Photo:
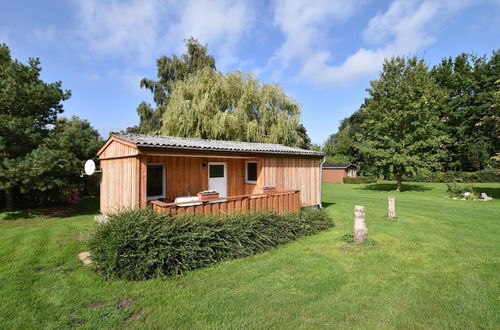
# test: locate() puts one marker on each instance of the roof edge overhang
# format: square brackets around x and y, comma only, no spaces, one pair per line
[145,147]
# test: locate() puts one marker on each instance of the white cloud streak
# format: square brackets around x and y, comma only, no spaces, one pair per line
[138,31]
[406,27]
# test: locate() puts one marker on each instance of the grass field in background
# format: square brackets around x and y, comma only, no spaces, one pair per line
[437,266]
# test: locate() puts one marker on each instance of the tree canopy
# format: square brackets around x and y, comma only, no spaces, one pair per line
[234,106]
[401,130]
[169,70]
[38,150]
[194,100]
[463,117]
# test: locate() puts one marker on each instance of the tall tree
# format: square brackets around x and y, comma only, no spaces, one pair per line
[39,152]
[170,70]
[28,106]
[234,106]
[401,130]
[340,147]
[470,83]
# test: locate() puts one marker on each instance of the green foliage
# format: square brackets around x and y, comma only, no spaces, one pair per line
[141,244]
[235,107]
[456,190]
[359,179]
[466,115]
[347,237]
[170,70]
[401,129]
[470,82]
[484,176]
[38,152]
[194,100]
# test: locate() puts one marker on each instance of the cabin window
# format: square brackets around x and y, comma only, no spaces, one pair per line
[251,172]
[156,181]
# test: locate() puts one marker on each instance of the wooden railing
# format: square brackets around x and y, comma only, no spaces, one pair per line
[280,201]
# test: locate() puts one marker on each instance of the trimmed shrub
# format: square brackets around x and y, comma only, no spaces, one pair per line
[141,244]
[359,179]
[484,176]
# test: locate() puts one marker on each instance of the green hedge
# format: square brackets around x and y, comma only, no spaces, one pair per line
[359,179]
[484,176]
[141,244]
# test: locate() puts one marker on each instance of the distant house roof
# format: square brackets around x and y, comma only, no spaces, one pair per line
[178,143]
[339,166]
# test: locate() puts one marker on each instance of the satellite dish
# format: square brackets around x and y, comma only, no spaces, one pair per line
[89,167]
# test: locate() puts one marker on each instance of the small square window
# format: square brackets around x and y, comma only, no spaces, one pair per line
[251,172]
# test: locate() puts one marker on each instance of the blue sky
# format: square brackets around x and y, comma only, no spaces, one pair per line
[323,53]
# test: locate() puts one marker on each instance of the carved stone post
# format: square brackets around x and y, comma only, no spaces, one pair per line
[360,231]
[391,209]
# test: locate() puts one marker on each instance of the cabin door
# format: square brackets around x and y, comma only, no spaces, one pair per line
[217,178]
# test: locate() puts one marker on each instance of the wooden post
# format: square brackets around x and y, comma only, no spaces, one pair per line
[391,209]
[360,231]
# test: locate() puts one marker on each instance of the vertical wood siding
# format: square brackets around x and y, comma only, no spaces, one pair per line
[294,173]
[124,180]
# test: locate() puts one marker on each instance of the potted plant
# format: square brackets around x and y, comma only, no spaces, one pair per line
[208,195]
[268,189]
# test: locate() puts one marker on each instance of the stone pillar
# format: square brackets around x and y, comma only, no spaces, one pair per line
[360,231]
[391,208]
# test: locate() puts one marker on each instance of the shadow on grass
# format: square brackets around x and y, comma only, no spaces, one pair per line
[326,204]
[492,192]
[87,206]
[392,187]
[19,214]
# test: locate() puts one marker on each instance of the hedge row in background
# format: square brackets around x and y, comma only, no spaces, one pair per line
[359,179]
[141,244]
[484,176]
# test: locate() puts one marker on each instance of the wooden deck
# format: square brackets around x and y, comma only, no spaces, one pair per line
[283,201]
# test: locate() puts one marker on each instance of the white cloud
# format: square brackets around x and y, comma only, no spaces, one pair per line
[130,30]
[136,32]
[140,30]
[406,27]
[221,24]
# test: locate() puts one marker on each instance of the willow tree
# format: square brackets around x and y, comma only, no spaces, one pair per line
[234,106]
[401,130]
[169,70]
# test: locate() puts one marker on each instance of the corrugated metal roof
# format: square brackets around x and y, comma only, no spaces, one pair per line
[339,166]
[179,143]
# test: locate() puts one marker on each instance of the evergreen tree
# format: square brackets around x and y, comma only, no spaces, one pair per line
[38,152]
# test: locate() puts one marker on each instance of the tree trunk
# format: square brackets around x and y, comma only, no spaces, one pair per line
[391,209]
[9,199]
[398,180]
[360,231]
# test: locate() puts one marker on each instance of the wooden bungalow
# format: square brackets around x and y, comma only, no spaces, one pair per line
[337,172]
[171,172]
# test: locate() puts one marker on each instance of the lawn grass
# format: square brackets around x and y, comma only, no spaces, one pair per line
[437,266]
